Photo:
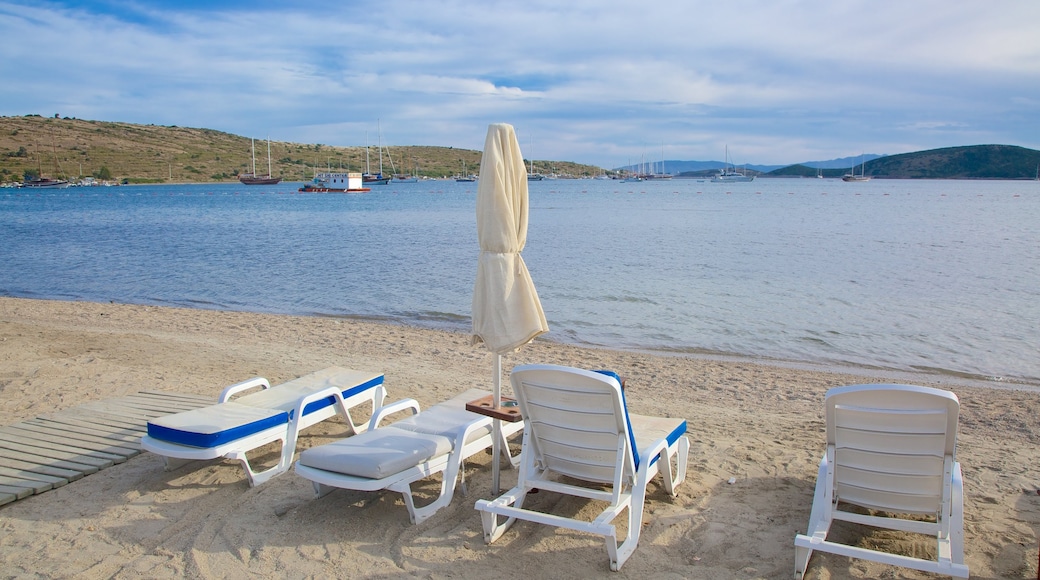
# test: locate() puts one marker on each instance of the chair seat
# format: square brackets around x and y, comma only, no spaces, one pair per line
[377,453]
[285,395]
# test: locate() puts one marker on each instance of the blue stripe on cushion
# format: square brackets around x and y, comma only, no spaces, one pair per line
[671,438]
[350,392]
[628,423]
[207,440]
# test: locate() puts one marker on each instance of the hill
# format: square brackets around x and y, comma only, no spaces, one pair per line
[67,147]
[969,162]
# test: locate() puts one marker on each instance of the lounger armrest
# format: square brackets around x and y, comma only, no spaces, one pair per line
[658,449]
[252,383]
[395,407]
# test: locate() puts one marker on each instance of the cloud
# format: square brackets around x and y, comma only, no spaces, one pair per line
[589,81]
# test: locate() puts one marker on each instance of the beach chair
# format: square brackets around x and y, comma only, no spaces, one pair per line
[577,426]
[891,449]
[233,428]
[392,457]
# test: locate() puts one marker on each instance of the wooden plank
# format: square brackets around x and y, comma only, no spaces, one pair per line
[68,469]
[32,476]
[103,444]
[17,492]
[159,404]
[33,486]
[201,400]
[85,424]
[56,448]
[54,452]
[77,426]
[109,449]
[104,422]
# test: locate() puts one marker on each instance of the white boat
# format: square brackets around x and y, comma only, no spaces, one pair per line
[730,174]
[332,182]
[851,176]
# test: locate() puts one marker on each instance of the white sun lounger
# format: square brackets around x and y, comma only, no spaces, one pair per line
[578,427]
[890,448]
[232,428]
[392,457]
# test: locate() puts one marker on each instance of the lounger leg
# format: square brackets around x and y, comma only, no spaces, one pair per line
[674,476]
[819,521]
[493,528]
[258,477]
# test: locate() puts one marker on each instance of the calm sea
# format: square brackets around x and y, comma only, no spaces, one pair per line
[936,277]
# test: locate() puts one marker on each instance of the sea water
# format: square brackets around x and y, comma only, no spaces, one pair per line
[937,277]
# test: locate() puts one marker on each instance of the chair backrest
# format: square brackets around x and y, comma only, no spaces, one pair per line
[892,447]
[577,422]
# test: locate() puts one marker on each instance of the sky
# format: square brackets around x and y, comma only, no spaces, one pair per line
[602,82]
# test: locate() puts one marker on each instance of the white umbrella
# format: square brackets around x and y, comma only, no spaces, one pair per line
[506,311]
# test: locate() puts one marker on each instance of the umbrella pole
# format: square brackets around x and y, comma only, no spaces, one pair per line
[496,433]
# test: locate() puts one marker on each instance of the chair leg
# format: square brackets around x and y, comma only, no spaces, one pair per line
[493,528]
[819,521]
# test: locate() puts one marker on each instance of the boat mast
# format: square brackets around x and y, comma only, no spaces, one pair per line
[269,156]
[252,145]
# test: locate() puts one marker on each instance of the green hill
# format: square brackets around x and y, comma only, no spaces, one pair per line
[970,162]
[72,148]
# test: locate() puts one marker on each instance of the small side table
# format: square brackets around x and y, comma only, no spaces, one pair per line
[508,411]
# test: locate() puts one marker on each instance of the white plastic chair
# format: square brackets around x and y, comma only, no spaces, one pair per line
[890,448]
[392,457]
[577,426]
[234,427]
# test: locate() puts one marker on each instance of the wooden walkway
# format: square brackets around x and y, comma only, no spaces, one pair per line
[54,449]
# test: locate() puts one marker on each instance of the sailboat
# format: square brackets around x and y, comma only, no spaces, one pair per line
[730,174]
[41,182]
[253,178]
[851,176]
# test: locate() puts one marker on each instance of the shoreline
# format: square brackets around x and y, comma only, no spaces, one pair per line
[756,424]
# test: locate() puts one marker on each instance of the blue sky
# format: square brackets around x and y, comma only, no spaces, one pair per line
[593,81]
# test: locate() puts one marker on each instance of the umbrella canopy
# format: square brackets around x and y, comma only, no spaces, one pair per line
[506,311]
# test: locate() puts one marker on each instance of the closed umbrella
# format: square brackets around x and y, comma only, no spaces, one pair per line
[506,311]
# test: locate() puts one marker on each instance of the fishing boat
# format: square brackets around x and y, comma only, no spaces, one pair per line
[253,178]
[851,176]
[729,173]
[331,182]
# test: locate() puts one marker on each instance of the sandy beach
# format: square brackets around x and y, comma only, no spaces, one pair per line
[757,425]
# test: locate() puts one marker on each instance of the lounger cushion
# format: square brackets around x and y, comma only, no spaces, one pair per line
[285,395]
[215,425]
[250,414]
[378,453]
[646,430]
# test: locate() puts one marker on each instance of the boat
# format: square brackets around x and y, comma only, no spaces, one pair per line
[332,182]
[45,183]
[253,178]
[851,176]
[464,177]
[404,177]
[729,173]
[41,182]
[369,178]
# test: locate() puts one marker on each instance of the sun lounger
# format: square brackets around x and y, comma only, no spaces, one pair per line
[392,457]
[578,427]
[232,428]
[890,448]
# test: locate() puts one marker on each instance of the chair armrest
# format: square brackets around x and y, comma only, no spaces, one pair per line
[395,407]
[243,386]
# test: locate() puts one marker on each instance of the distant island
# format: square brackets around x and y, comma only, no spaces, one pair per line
[69,148]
